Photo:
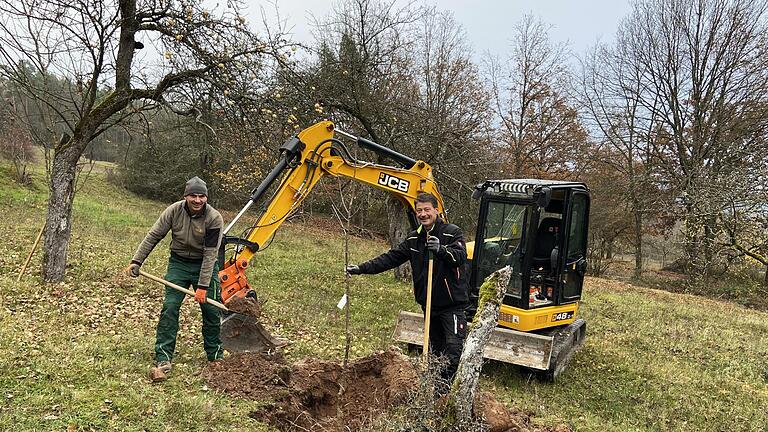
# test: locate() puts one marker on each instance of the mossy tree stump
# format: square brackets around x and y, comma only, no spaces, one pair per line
[462,394]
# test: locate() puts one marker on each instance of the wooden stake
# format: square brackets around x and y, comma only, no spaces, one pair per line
[32,252]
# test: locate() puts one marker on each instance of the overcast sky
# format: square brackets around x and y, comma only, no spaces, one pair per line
[488,23]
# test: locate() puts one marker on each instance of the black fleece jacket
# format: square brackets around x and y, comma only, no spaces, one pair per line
[449,283]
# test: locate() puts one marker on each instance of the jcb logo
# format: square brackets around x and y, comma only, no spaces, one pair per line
[394,182]
[562,316]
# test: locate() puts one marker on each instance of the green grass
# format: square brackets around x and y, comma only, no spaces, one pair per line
[75,355]
[741,284]
[657,361]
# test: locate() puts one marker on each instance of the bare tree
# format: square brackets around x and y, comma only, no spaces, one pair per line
[362,77]
[363,68]
[744,223]
[701,65]
[93,45]
[623,128]
[611,217]
[448,124]
[539,127]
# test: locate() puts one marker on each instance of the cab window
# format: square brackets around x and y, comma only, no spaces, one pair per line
[502,233]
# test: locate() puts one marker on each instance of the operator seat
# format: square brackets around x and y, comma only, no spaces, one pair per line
[546,248]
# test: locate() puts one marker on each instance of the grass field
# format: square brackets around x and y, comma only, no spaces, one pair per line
[75,355]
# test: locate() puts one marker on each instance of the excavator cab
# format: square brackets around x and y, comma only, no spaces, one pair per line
[539,228]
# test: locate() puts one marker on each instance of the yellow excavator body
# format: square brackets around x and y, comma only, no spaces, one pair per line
[536,226]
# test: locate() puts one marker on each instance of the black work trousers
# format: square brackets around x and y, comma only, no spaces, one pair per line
[447,332]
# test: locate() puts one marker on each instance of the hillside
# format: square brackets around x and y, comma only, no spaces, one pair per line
[76,354]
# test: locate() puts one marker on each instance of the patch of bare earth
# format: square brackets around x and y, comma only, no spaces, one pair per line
[325,396]
[499,418]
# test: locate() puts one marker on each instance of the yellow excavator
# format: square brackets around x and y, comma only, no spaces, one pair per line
[538,227]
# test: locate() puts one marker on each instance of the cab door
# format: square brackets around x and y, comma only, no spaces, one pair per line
[576,247]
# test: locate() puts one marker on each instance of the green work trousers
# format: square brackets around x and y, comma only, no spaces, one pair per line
[186,274]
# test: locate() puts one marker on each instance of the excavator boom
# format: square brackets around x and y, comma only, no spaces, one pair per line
[304,160]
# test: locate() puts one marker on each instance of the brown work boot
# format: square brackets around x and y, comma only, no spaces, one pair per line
[156,375]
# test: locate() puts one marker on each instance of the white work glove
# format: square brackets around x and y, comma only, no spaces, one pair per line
[352,270]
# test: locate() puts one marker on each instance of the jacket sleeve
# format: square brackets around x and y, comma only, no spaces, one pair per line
[211,243]
[454,251]
[155,234]
[396,256]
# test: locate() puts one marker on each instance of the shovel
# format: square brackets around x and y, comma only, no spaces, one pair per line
[239,332]
[428,311]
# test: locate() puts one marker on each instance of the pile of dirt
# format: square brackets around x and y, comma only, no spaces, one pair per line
[245,306]
[315,394]
[323,395]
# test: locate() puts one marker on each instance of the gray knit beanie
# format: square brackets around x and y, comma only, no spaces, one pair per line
[196,185]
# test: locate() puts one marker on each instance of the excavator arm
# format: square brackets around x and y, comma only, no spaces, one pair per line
[304,160]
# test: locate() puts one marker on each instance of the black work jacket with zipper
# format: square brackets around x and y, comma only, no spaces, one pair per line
[449,281]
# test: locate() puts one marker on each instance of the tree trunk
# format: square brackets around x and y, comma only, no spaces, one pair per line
[399,227]
[58,222]
[765,278]
[710,224]
[638,244]
[464,385]
[692,243]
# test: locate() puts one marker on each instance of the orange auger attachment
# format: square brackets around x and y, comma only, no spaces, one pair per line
[233,280]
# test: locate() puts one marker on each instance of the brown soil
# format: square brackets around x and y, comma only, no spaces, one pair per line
[245,306]
[499,418]
[323,395]
[315,394]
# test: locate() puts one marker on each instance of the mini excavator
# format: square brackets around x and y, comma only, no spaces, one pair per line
[538,227]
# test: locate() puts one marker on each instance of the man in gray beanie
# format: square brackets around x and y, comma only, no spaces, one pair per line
[196,229]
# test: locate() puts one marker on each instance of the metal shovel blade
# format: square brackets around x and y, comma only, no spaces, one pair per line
[243,333]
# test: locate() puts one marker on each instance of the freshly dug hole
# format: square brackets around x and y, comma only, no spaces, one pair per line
[314,394]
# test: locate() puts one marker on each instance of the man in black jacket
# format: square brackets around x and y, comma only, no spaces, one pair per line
[445,242]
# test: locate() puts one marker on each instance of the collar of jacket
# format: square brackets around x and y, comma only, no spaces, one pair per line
[421,227]
[195,216]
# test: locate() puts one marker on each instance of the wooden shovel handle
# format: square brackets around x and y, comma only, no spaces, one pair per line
[428,311]
[178,288]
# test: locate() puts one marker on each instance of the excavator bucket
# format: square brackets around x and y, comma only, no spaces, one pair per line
[547,354]
[243,333]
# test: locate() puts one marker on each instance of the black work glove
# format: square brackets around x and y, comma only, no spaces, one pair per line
[433,244]
[352,270]
[133,269]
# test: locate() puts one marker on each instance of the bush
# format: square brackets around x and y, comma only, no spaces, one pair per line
[16,146]
[159,169]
